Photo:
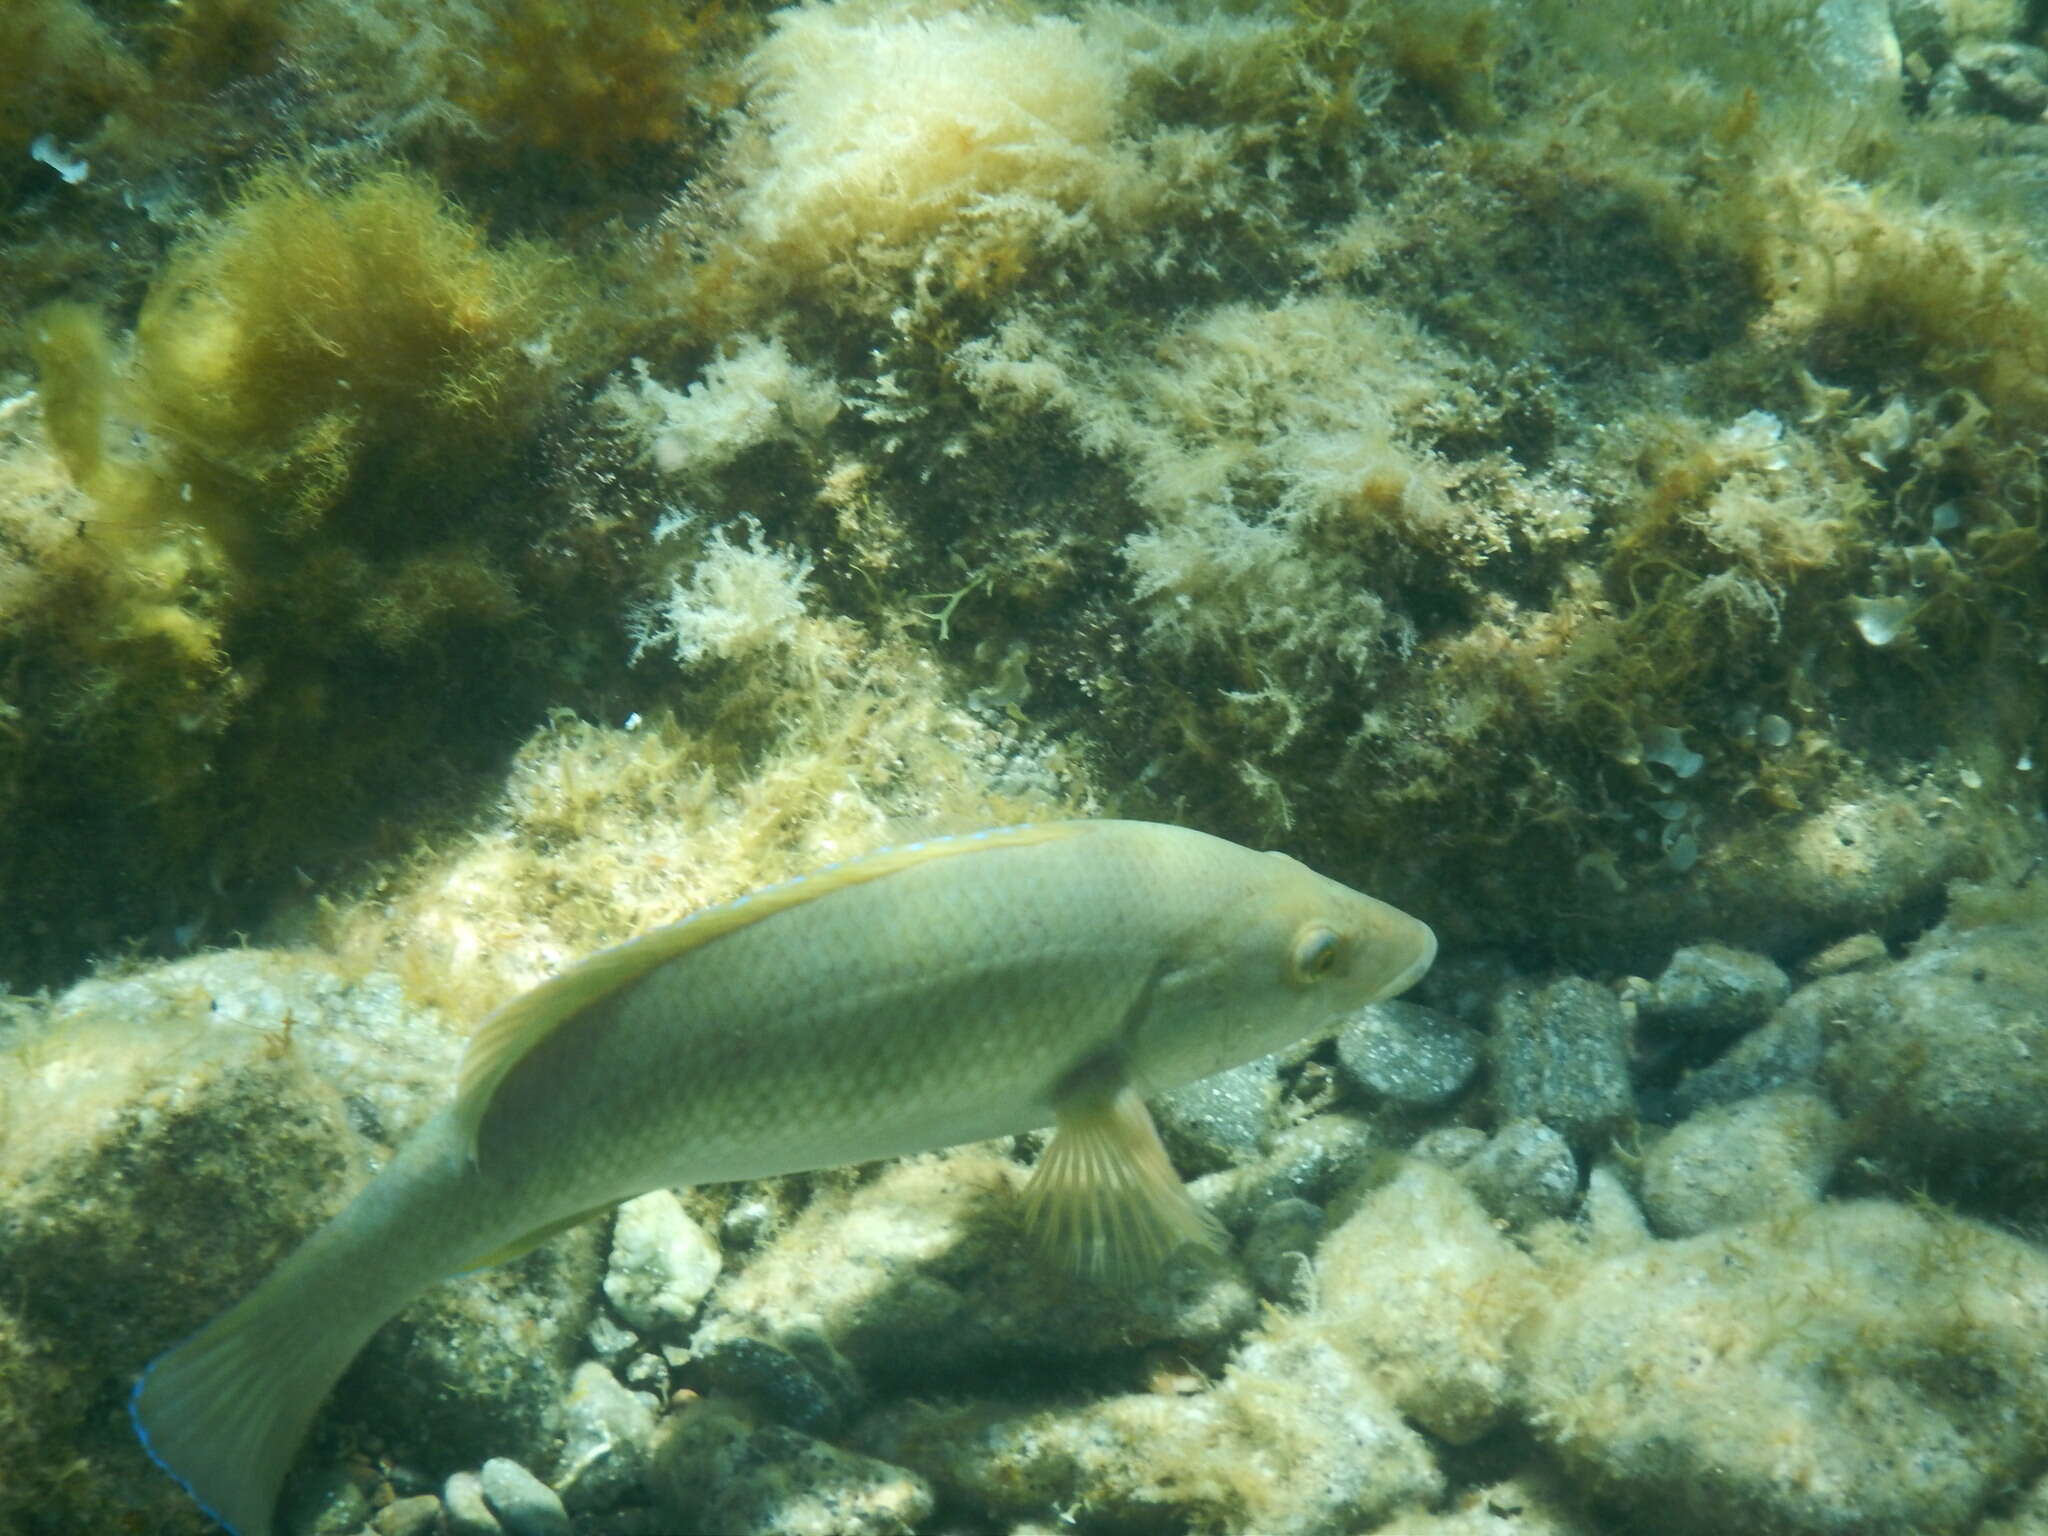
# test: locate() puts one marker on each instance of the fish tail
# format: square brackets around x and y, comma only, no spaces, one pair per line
[224,1411]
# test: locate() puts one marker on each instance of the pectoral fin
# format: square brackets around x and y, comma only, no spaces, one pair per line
[1104,1200]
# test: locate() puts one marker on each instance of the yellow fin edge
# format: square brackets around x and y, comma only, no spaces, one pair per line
[510,1034]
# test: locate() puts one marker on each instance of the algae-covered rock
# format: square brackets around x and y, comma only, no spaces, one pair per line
[715,1468]
[191,1123]
[167,1136]
[2029,1516]
[1862,1368]
[1743,1160]
[1421,1289]
[1943,1057]
[1295,1439]
[1536,1503]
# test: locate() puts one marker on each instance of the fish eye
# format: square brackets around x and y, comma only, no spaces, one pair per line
[1315,951]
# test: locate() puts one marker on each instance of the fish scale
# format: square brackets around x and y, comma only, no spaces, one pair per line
[918,997]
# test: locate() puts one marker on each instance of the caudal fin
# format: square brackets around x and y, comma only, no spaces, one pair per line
[224,1412]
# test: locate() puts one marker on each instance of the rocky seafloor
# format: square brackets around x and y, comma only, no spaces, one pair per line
[481,479]
[1483,1275]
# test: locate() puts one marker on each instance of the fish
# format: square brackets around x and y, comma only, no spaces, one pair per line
[925,995]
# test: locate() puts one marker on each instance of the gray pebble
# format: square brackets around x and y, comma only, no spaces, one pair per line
[1276,1253]
[524,1505]
[1785,1053]
[1220,1120]
[468,1514]
[339,1508]
[1308,1160]
[407,1480]
[1407,1053]
[417,1516]
[1712,988]
[1524,1174]
[605,1434]
[1560,1055]
[1449,1146]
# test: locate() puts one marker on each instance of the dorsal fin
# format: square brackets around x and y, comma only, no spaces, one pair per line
[515,1029]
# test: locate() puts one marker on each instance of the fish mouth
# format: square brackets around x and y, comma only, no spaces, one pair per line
[1416,967]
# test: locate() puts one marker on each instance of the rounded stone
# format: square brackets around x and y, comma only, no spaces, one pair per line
[1408,1053]
[416,1516]
[1561,1055]
[771,1379]
[1219,1120]
[524,1505]
[1716,989]
[1742,1160]
[468,1515]
[605,1435]
[1524,1174]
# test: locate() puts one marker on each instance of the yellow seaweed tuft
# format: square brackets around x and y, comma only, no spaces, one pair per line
[317,330]
[597,84]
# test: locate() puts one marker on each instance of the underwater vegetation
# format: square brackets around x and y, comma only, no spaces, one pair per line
[1226,386]
[480,480]
[254,561]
